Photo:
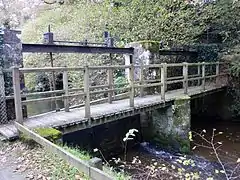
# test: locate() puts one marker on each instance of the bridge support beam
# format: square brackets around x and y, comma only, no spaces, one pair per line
[170,126]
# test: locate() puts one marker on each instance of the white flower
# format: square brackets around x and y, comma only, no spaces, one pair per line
[209,178]
[95,150]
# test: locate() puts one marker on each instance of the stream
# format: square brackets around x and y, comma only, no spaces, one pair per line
[202,160]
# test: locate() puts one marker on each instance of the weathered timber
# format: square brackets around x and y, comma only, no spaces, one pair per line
[163,81]
[103,113]
[132,90]
[65,87]
[132,85]
[87,93]
[185,78]
[148,85]
[110,81]
[203,76]
[142,80]
[17,95]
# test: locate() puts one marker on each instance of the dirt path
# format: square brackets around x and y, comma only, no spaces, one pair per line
[7,165]
[8,174]
[23,161]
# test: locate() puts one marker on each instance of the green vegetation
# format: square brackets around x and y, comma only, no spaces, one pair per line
[49,133]
[81,154]
[172,22]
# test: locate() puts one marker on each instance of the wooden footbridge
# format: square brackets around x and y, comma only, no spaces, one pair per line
[141,93]
[135,100]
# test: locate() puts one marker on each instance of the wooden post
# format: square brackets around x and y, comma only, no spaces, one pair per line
[203,76]
[65,87]
[110,82]
[131,93]
[199,74]
[87,92]
[163,80]
[53,82]
[217,72]
[185,77]
[141,80]
[17,95]
[165,75]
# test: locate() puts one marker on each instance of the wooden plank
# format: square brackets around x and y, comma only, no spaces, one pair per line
[110,81]
[50,69]
[103,100]
[75,116]
[109,67]
[175,81]
[73,95]
[174,78]
[141,79]
[17,95]
[65,87]
[132,90]
[199,74]
[87,93]
[174,65]
[185,78]
[47,48]
[194,79]
[163,81]
[203,76]
[42,99]
[81,165]
[148,85]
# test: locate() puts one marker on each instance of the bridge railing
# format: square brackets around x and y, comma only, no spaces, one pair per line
[140,83]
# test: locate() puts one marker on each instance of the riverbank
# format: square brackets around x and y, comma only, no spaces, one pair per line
[32,162]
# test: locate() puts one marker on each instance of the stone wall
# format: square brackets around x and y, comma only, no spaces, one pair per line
[144,52]
[10,55]
[169,127]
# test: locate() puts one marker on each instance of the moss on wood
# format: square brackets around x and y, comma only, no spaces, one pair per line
[50,134]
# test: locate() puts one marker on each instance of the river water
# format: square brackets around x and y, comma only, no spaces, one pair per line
[204,162]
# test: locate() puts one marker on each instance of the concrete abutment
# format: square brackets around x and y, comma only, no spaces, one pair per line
[169,127]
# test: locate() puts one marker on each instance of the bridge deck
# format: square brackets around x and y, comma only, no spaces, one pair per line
[76,116]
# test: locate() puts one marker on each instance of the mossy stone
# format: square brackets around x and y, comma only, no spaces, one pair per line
[181,100]
[49,133]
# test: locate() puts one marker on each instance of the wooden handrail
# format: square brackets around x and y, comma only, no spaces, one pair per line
[162,82]
[61,69]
